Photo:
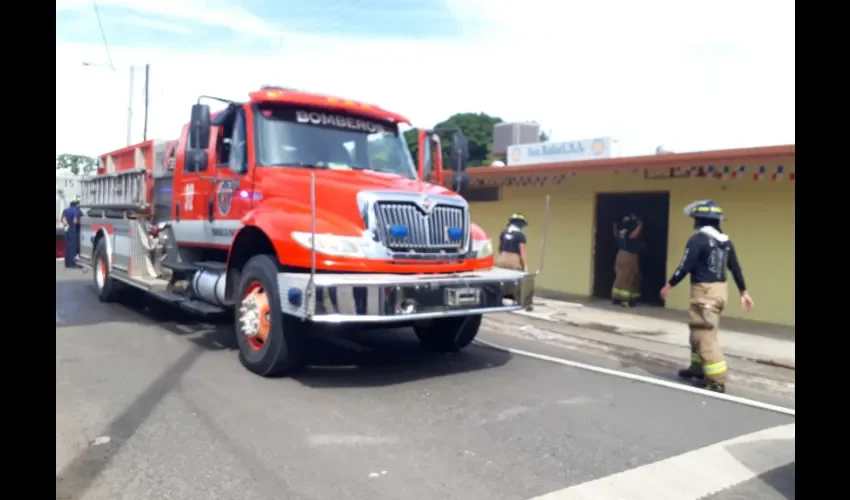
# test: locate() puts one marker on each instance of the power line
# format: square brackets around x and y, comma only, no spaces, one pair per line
[103,34]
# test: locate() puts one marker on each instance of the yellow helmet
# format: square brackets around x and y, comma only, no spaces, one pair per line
[518,220]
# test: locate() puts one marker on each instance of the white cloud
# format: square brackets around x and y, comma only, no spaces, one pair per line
[153,24]
[689,76]
[209,12]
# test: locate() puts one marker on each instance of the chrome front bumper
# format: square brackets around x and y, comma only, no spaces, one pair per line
[387,298]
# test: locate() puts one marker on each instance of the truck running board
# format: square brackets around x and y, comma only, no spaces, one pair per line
[191,305]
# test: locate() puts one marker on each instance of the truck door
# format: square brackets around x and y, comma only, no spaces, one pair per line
[230,191]
[191,184]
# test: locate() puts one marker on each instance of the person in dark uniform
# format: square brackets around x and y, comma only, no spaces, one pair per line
[76,205]
[70,223]
[512,241]
[626,288]
[707,255]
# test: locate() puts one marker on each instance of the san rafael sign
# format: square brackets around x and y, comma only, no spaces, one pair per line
[556,152]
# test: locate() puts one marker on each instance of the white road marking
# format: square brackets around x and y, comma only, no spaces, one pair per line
[347,439]
[641,378]
[580,400]
[695,474]
[100,440]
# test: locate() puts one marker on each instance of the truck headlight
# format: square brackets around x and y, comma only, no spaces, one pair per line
[331,244]
[482,248]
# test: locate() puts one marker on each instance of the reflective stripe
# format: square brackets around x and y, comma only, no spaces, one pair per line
[624,293]
[696,358]
[716,210]
[715,368]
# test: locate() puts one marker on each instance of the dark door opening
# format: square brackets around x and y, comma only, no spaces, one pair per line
[654,209]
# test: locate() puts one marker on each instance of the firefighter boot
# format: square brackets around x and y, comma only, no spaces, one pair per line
[690,373]
[694,370]
[709,386]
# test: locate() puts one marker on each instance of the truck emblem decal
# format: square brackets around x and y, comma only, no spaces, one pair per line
[225,195]
[426,204]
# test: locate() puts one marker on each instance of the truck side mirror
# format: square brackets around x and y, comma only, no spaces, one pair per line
[197,160]
[460,181]
[199,127]
[459,153]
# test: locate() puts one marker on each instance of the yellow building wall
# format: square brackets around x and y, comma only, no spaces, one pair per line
[760,222]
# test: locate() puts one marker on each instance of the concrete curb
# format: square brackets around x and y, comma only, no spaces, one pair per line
[624,352]
[647,337]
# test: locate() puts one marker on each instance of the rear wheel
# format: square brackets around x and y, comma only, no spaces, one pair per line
[107,289]
[269,341]
[448,334]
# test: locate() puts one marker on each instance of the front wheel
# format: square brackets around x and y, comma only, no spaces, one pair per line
[448,334]
[269,341]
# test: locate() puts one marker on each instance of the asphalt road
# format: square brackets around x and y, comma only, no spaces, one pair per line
[155,407]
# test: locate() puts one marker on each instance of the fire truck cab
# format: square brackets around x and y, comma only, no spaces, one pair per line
[291,210]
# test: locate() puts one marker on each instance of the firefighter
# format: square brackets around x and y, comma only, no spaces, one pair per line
[70,223]
[512,241]
[707,255]
[626,288]
[76,205]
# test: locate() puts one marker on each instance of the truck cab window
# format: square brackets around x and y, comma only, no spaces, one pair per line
[224,136]
[238,157]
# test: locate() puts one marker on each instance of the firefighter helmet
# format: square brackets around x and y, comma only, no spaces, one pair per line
[518,220]
[705,209]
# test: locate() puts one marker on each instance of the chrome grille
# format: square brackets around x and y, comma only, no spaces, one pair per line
[426,232]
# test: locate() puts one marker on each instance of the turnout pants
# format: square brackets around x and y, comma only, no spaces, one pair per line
[707,302]
[626,276]
[72,240]
[508,260]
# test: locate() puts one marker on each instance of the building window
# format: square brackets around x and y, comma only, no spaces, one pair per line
[478,194]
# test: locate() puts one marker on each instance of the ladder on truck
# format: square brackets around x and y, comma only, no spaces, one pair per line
[122,190]
[126,189]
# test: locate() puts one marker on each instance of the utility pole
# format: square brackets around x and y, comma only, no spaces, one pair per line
[147,99]
[130,108]
[130,101]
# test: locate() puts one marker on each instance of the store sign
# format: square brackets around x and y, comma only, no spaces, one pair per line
[556,152]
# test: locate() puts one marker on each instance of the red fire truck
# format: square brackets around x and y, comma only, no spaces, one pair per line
[292,210]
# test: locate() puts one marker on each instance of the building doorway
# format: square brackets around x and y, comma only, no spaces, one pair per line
[654,209]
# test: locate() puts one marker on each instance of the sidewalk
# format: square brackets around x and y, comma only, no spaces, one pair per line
[766,344]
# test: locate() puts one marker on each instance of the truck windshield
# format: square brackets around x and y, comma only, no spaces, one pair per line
[313,138]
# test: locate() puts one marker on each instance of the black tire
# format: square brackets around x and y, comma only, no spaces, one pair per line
[106,287]
[282,352]
[448,334]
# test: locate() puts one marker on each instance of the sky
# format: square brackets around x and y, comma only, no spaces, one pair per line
[688,76]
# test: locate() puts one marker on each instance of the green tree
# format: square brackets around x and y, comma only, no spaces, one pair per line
[478,129]
[544,136]
[76,163]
